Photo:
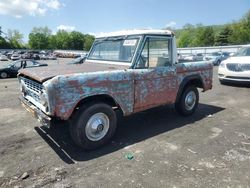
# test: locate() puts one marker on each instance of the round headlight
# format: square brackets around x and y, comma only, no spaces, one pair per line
[222,64]
[43,98]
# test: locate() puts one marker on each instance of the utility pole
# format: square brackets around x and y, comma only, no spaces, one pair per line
[0,30]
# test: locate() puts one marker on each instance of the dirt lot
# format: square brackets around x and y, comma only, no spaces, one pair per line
[209,149]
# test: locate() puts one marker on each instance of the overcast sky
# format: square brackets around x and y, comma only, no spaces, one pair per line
[97,16]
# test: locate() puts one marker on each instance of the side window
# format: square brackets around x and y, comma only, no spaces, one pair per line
[156,53]
[18,65]
[30,64]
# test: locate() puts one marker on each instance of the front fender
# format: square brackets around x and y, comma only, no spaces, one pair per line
[72,89]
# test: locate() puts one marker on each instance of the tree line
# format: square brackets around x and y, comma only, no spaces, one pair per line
[42,38]
[198,35]
[237,32]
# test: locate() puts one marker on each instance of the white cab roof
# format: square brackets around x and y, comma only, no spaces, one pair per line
[135,32]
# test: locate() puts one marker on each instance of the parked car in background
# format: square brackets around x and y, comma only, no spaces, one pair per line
[78,60]
[189,58]
[48,57]
[36,57]
[199,57]
[3,52]
[44,56]
[217,57]
[52,57]
[236,68]
[9,54]
[3,58]
[15,57]
[26,56]
[11,70]
[193,57]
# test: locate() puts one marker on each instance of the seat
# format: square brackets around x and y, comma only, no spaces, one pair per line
[159,62]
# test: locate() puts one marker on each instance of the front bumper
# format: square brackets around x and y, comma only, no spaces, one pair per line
[44,119]
[234,79]
[226,75]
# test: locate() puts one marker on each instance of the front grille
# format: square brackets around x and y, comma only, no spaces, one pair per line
[237,67]
[31,88]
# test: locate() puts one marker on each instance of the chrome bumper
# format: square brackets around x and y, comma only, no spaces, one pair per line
[44,119]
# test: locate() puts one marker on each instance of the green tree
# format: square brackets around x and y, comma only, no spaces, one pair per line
[89,39]
[4,44]
[52,42]
[208,36]
[39,38]
[186,37]
[15,38]
[223,36]
[62,39]
[76,40]
[240,34]
[241,31]
[184,40]
[204,36]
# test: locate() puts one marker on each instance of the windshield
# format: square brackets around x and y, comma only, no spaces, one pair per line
[243,52]
[16,64]
[114,49]
[9,65]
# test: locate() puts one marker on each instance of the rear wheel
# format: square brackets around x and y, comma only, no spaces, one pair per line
[3,75]
[188,102]
[93,126]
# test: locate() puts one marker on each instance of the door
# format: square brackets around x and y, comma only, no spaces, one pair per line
[155,74]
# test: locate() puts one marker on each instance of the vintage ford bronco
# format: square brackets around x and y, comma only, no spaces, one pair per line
[130,71]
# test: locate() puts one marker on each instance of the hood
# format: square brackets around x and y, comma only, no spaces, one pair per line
[42,74]
[238,59]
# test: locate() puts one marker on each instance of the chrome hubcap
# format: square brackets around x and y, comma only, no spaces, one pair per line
[97,126]
[190,100]
[4,75]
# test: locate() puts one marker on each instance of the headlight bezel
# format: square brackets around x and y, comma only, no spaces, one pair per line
[43,98]
[223,65]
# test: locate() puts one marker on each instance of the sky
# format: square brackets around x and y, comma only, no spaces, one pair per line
[102,16]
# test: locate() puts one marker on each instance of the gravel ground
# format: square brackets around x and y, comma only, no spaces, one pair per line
[155,148]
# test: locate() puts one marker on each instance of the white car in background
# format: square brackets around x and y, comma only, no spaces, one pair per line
[15,57]
[3,58]
[236,68]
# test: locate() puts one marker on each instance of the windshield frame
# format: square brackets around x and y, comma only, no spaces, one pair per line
[118,62]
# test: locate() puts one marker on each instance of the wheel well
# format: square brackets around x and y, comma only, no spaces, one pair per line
[196,81]
[98,98]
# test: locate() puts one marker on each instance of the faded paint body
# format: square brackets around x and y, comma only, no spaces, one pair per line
[132,89]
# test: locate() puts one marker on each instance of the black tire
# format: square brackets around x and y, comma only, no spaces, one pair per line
[185,107]
[4,75]
[80,125]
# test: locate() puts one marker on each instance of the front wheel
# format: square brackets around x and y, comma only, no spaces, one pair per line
[188,102]
[3,75]
[93,126]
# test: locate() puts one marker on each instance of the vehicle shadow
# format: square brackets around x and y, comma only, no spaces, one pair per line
[131,130]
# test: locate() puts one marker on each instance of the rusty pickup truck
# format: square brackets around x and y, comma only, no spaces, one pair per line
[130,71]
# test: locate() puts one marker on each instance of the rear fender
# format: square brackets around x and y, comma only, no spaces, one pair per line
[195,80]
